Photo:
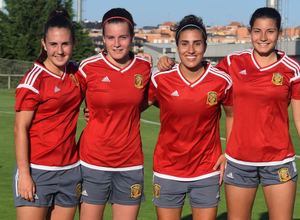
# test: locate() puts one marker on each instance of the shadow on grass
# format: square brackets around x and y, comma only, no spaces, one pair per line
[222,216]
[188,217]
[264,216]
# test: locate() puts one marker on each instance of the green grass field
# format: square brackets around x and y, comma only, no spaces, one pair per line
[149,135]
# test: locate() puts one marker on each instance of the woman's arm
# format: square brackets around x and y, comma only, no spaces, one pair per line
[229,120]
[26,188]
[221,162]
[296,114]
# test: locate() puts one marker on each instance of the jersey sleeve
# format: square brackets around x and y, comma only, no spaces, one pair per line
[295,89]
[28,93]
[227,101]
[223,64]
[152,91]
[81,76]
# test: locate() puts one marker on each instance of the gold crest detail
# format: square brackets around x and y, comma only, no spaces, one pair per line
[277,79]
[212,98]
[74,79]
[284,174]
[78,190]
[156,190]
[136,191]
[138,81]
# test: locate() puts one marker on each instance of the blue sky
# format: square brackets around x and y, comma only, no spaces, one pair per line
[213,12]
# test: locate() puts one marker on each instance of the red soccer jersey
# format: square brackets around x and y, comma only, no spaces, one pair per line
[114,97]
[189,145]
[56,101]
[260,133]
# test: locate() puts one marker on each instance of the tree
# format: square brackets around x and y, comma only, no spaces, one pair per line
[21,28]
[83,46]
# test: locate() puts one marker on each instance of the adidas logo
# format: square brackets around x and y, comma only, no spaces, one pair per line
[84,193]
[105,79]
[230,175]
[56,89]
[175,93]
[35,196]
[243,72]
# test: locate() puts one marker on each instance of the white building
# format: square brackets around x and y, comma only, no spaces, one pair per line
[2,4]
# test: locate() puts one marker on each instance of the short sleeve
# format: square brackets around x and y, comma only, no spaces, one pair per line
[228,101]
[26,100]
[295,89]
[82,81]
[223,65]
[81,75]
[28,91]
[152,92]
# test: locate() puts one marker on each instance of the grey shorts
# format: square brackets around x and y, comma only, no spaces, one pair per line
[204,193]
[251,176]
[62,188]
[120,187]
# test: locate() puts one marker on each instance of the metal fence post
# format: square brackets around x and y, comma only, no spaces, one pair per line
[8,81]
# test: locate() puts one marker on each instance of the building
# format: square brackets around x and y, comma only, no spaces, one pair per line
[2,5]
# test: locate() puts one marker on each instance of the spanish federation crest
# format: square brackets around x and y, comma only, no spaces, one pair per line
[277,79]
[156,190]
[136,191]
[283,174]
[212,98]
[138,81]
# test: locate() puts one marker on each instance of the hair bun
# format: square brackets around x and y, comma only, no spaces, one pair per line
[59,12]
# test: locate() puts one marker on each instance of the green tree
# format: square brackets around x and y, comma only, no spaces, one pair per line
[83,46]
[21,28]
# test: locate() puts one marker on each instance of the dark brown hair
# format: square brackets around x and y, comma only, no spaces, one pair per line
[117,15]
[57,18]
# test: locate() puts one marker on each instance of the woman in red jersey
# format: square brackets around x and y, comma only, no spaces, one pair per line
[188,151]
[48,178]
[115,83]
[260,151]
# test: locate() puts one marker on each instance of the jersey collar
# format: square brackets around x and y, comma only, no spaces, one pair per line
[193,84]
[122,70]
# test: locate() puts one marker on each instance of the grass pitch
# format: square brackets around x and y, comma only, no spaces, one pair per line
[149,135]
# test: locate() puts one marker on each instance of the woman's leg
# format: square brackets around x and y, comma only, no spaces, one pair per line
[280,199]
[239,202]
[91,211]
[31,213]
[59,212]
[204,213]
[168,213]
[126,212]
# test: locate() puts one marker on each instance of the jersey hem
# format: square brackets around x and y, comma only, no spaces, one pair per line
[54,168]
[95,167]
[165,176]
[270,163]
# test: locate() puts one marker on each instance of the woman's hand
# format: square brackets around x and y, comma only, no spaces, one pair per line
[220,164]
[26,187]
[165,63]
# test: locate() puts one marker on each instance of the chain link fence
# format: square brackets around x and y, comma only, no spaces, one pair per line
[11,71]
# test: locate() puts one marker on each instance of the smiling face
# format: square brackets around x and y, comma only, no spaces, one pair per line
[264,36]
[59,46]
[191,49]
[117,40]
